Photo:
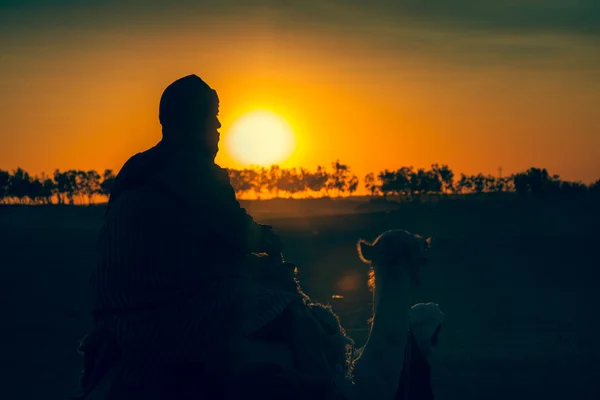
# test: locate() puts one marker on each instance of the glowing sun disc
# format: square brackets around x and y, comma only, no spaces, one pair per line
[260,138]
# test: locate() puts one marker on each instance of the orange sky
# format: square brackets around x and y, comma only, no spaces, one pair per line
[376,87]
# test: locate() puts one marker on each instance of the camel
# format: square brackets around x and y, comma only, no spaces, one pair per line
[373,371]
[395,259]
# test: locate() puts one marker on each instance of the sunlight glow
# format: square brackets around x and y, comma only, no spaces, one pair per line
[260,138]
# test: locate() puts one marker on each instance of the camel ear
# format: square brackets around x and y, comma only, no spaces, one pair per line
[366,251]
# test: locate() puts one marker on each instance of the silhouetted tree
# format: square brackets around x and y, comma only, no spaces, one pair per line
[353,184]
[304,177]
[446,177]
[520,183]
[34,190]
[18,186]
[316,181]
[464,184]
[502,184]
[79,185]
[239,184]
[63,186]
[274,174]
[403,179]
[300,180]
[90,183]
[573,188]
[339,178]
[508,184]
[424,182]
[48,189]
[252,177]
[290,181]
[387,179]
[415,183]
[108,179]
[489,183]
[433,182]
[594,188]
[4,182]
[396,182]
[371,184]
[261,182]
[479,183]
[536,181]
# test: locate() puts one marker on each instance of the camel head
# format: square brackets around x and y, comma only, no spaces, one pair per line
[392,249]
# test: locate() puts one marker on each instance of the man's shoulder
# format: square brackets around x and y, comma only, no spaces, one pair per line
[142,157]
[222,172]
[213,171]
[137,200]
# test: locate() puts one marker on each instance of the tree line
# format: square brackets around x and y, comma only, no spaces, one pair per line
[63,187]
[407,182]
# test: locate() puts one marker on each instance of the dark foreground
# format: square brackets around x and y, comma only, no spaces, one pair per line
[519,283]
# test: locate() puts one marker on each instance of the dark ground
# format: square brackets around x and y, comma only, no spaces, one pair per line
[519,283]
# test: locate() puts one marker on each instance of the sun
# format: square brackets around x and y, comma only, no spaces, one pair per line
[260,138]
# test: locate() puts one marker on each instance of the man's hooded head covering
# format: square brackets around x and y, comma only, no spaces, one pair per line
[187,103]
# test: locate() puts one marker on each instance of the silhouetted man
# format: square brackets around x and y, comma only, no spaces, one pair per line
[170,287]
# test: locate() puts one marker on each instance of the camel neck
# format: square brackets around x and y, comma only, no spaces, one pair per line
[392,288]
[377,371]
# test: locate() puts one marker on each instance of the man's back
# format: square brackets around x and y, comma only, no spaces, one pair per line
[169,277]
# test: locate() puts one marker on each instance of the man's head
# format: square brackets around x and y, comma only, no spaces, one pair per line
[188,113]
